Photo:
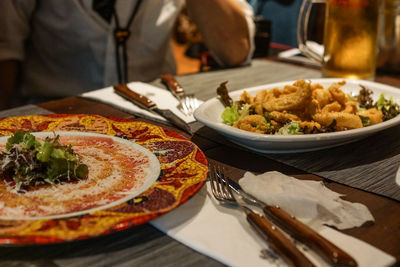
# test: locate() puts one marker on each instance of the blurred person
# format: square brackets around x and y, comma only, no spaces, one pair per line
[55,48]
[283,15]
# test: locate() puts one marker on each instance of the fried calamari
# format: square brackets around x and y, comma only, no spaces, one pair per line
[310,108]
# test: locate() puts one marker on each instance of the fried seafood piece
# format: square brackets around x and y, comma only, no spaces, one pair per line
[292,97]
[287,89]
[343,120]
[308,126]
[259,100]
[321,95]
[246,98]
[332,107]
[311,108]
[252,123]
[350,107]
[337,93]
[316,86]
[283,117]
[375,116]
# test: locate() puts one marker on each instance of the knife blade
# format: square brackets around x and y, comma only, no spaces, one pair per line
[298,230]
[144,102]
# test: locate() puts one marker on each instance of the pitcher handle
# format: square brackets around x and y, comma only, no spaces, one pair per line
[302,30]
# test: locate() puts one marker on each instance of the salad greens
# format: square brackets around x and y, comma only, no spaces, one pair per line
[388,107]
[290,128]
[235,113]
[30,162]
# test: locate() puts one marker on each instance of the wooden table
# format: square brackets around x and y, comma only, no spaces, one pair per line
[144,245]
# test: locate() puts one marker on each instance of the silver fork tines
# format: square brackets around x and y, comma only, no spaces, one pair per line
[219,185]
[188,104]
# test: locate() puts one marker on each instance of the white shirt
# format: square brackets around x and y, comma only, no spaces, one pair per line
[38,33]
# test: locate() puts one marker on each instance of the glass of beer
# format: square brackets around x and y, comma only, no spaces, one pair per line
[349,39]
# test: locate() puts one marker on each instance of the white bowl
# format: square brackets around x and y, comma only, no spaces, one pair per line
[209,113]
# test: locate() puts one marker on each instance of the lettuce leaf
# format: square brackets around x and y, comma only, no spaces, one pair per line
[232,114]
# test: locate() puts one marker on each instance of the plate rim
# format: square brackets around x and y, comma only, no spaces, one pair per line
[124,219]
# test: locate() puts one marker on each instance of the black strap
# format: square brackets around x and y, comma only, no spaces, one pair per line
[121,35]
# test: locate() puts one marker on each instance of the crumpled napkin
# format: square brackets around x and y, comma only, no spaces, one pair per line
[309,201]
[163,98]
[222,233]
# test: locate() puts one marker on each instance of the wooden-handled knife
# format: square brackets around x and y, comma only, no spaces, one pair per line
[275,238]
[144,102]
[173,85]
[302,232]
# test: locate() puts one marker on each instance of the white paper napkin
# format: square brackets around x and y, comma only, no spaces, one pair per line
[223,233]
[309,201]
[163,98]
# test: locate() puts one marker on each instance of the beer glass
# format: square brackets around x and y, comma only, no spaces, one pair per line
[349,39]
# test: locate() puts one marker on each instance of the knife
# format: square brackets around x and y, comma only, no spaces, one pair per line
[144,102]
[275,238]
[173,85]
[299,230]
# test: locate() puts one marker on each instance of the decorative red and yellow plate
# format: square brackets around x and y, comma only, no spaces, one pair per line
[138,171]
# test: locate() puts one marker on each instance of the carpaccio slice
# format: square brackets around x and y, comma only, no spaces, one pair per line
[118,171]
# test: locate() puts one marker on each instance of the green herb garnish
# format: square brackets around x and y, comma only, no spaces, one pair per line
[29,162]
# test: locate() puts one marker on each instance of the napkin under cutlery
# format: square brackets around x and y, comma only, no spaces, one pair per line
[309,201]
[162,97]
[223,232]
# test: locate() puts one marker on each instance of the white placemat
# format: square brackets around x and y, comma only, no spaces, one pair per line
[163,98]
[224,234]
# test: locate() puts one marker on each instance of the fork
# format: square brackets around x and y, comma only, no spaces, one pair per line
[187,102]
[274,237]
